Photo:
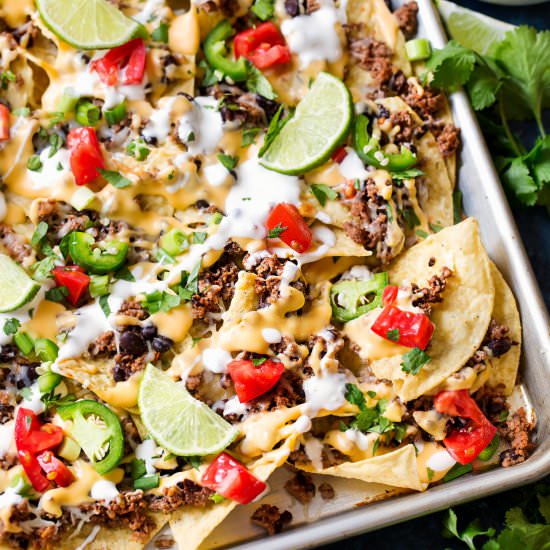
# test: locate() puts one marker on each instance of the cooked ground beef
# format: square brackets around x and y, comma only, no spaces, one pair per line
[243,107]
[62,218]
[132,308]
[492,402]
[288,392]
[268,280]
[184,493]
[7,400]
[301,487]
[477,360]
[406,16]
[448,138]
[290,350]
[374,56]
[126,365]
[103,346]
[217,284]
[426,297]
[164,542]
[497,339]
[517,432]
[370,221]
[271,518]
[426,102]
[404,121]
[128,509]
[326,491]
[329,456]
[14,244]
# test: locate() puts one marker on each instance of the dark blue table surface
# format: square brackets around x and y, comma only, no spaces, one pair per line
[534,226]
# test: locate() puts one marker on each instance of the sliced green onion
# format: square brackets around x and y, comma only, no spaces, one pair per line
[417,49]
[138,149]
[99,285]
[174,242]
[490,450]
[48,381]
[34,163]
[116,114]
[457,470]
[137,468]
[69,449]
[24,342]
[216,218]
[82,198]
[87,113]
[67,102]
[46,349]
[147,482]
[21,484]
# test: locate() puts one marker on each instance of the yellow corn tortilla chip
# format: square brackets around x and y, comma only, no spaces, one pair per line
[462,319]
[397,468]
[191,525]
[504,369]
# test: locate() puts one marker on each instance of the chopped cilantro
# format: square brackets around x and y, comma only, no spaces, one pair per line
[393,335]
[138,149]
[57,293]
[104,305]
[5,78]
[228,161]
[198,237]
[435,227]
[160,34]
[389,213]
[257,83]
[11,326]
[116,179]
[276,232]
[124,274]
[160,301]
[275,126]
[323,192]
[56,142]
[249,136]
[257,361]
[407,174]
[39,234]
[421,233]
[430,473]
[414,360]
[263,9]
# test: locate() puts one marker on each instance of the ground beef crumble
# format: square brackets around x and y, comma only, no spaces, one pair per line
[14,244]
[426,297]
[271,518]
[103,346]
[374,56]
[326,490]
[406,16]
[517,433]
[288,392]
[447,137]
[497,339]
[301,487]
[183,493]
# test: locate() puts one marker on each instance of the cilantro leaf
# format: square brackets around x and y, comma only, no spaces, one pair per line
[407,174]
[116,179]
[104,305]
[256,82]
[160,34]
[467,536]
[518,179]
[483,86]
[276,232]
[11,326]
[275,126]
[393,335]
[198,237]
[257,361]
[451,66]
[39,234]
[323,192]
[355,396]
[211,76]
[263,9]
[57,293]
[249,136]
[414,360]
[228,161]
[160,301]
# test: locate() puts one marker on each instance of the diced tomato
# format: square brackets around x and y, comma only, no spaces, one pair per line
[34,472]
[339,155]
[55,469]
[465,443]
[264,45]
[4,123]
[31,435]
[295,231]
[251,380]
[128,59]
[74,279]
[415,329]
[86,156]
[389,295]
[229,478]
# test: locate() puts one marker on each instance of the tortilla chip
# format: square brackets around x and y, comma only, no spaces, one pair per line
[462,319]
[504,369]
[397,468]
[191,525]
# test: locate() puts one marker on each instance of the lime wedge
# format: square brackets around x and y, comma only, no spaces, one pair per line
[470,29]
[16,287]
[320,123]
[180,423]
[87,24]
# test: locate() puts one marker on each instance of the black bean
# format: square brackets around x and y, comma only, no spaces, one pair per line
[132,343]
[120,374]
[162,344]
[149,332]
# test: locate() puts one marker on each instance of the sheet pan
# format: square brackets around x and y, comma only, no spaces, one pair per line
[323,522]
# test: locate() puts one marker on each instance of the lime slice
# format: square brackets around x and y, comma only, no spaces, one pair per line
[16,287]
[470,29]
[87,24]
[179,422]
[320,123]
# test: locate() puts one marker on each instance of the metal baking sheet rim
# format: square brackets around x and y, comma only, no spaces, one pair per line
[513,261]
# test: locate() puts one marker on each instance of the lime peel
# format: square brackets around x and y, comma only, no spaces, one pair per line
[178,422]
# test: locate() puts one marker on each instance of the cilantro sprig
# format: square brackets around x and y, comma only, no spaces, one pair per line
[511,82]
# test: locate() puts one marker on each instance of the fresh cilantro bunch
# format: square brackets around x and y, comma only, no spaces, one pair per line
[511,82]
[526,526]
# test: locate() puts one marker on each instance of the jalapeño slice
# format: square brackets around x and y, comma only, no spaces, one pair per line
[96,259]
[97,430]
[351,299]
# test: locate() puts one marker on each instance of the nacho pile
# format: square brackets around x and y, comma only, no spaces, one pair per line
[188,320]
